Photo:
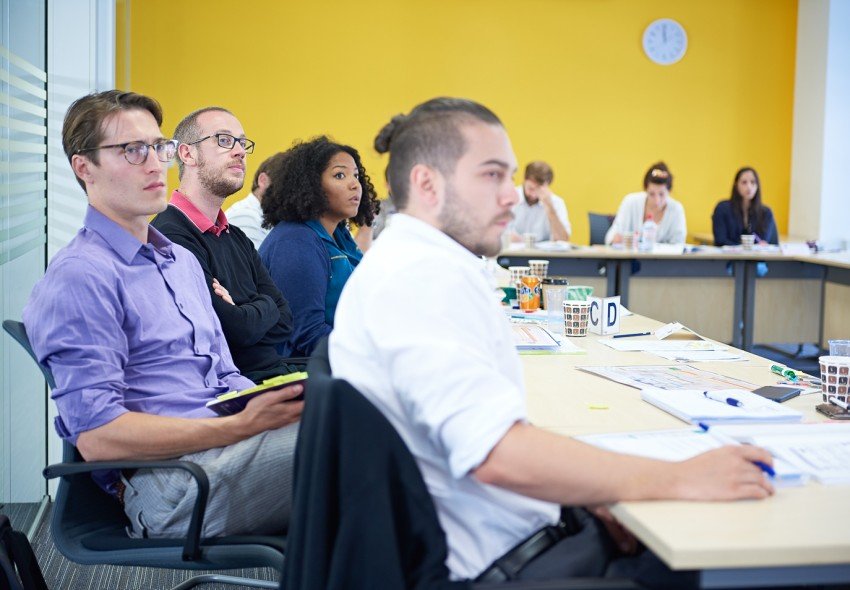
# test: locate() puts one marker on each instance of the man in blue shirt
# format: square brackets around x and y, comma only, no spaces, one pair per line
[123,319]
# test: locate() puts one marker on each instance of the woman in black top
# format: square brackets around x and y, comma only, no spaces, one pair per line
[744,213]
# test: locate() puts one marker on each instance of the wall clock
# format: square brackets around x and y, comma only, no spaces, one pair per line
[665,41]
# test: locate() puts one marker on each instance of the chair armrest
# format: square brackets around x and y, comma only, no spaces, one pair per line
[192,547]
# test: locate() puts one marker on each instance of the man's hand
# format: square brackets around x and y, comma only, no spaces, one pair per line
[222,292]
[271,410]
[727,473]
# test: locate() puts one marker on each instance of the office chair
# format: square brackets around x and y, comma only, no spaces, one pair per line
[600,223]
[362,516]
[88,526]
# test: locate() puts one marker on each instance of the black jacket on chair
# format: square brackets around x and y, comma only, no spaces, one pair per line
[362,516]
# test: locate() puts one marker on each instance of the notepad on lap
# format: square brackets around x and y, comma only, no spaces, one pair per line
[234,402]
[692,406]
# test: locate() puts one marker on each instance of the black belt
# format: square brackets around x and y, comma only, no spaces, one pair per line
[509,565]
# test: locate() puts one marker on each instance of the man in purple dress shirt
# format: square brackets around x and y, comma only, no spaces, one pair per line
[124,321]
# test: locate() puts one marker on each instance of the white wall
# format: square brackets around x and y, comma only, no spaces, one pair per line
[820,167]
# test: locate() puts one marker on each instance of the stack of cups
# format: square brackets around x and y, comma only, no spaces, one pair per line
[539,268]
[575,317]
[630,240]
[748,241]
[835,373]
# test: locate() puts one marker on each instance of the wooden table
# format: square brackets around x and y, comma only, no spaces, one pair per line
[736,297]
[800,535]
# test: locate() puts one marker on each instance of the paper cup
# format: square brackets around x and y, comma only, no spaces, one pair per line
[835,377]
[576,314]
[517,272]
[630,241]
[839,348]
[579,292]
[539,268]
[748,241]
[530,240]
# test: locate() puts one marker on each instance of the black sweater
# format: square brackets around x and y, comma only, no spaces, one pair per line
[260,318]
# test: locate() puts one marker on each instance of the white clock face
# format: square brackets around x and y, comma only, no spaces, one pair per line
[665,41]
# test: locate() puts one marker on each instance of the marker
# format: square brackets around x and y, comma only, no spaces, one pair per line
[723,399]
[630,335]
[728,440]
[789,374]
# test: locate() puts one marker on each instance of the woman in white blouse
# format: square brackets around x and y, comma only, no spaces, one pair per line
[655,202]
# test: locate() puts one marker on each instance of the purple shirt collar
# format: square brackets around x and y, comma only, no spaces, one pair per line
[119,239]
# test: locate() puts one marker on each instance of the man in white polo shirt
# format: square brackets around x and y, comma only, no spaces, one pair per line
[538,211]
[420,333]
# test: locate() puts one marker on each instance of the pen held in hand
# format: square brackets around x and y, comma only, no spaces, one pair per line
[630,335]
[728,440]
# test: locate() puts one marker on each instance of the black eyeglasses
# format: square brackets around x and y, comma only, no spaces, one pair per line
[228,141]
[136,152]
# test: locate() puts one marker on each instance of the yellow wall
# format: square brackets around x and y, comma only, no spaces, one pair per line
[568,78]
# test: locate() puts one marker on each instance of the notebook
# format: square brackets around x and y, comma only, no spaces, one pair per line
[694,407]
[234,402]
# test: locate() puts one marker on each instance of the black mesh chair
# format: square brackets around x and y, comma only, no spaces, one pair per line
[89,527]
[600,223]
[362,515]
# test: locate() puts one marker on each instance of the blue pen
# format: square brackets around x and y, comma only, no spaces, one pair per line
[630,335]
[731,441]
[723,399]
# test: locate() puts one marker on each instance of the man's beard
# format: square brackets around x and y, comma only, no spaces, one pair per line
[216,183]
[454,222]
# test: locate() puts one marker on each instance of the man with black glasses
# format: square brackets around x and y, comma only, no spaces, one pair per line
[254,315]
[123,320]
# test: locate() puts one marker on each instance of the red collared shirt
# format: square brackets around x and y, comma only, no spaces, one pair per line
[200,220]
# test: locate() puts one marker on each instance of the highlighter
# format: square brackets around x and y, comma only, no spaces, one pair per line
[789,374]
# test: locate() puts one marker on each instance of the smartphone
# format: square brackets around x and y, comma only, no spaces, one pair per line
[832,411]
[777,393]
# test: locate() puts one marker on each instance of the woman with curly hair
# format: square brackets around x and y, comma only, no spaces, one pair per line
[309,252]
[744,213]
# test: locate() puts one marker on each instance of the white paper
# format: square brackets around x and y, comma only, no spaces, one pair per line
[638,345]
[668,248]
[669,377]
[700,356]
[680,445]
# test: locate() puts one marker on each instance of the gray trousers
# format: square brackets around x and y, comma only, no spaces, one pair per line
[250,490]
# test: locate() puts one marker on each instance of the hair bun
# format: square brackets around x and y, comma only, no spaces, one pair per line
[385,135]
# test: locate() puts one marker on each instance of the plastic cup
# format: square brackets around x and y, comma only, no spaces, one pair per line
[839,348]
[539,268]
[576,314]
[748,241]
[835,377]
[579,292]
[553,301]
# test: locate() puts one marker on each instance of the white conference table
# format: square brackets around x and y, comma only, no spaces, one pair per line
[799,536]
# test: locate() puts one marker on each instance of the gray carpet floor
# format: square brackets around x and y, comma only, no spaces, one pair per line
[61,574]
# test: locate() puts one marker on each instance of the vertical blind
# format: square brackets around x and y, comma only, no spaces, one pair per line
[23,156]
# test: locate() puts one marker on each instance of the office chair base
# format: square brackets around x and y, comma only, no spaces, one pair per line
[222,579]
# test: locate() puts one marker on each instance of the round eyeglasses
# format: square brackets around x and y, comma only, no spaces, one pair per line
[136,152]
[228,142]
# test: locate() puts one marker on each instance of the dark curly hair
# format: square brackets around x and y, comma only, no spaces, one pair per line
[295,187]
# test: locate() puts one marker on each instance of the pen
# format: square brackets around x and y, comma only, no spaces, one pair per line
[728,440]
[723,399]
[630,335]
